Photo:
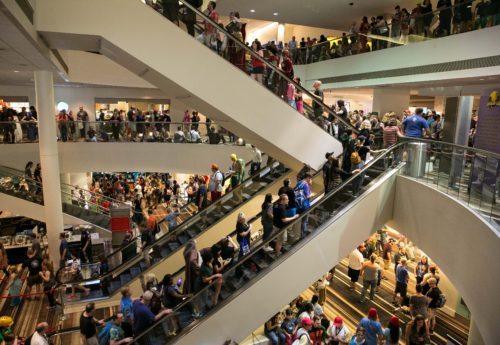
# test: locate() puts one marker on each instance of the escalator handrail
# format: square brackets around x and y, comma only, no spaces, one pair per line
[268,64]
[275,235]
[162,240]
[457,146]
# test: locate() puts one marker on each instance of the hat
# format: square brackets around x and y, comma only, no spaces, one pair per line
[372,313]
[361,138]
[233,157]
[337,321]
[215,167]
[307,321]
[394,321]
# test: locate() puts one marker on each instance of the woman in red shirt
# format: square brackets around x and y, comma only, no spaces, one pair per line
[258,65]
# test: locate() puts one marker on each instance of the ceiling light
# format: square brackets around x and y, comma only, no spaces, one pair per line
[253,11]
[481,78]
[275,13]
[16,71]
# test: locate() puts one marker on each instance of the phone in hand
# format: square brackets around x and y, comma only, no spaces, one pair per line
[179,282]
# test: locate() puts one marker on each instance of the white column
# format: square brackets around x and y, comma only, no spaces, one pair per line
[49,159]
[280,36]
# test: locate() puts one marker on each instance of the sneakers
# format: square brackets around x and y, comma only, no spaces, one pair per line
[268,249]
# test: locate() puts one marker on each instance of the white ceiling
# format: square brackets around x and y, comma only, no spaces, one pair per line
[331,14]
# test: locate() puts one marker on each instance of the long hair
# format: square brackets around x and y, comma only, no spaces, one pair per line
[190,245]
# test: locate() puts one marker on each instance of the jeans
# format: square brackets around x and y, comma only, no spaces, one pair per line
[276,337]
[303,226]
[368,283]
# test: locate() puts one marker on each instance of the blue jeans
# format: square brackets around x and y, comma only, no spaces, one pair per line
[303,226]
[277,338]
[372,284]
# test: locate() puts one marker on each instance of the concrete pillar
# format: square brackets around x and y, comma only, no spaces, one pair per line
[280,35]
[66,191]
[458,112]
[49,159]
[390,100]
[475,337]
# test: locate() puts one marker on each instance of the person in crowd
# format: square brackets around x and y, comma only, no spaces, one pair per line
[433,273]
[273,331]
[354,266]
[215,186]
[402,278]
[64,251]
[88,324]
[359,337]
[302,334]
[417,332]
[76,273]
[85,246]
[14,286]
[393,332]
[281,219]
[338,332]
[401,253]
[4,261]
[317,107]
[391,133]
[373,328]
[256,161]
[433,296]
[192,265]
[143,317]
[49,283]
[201,194]
[125,308]
[257,64]
[387,253]
[418,303]
[317,334]
[237,173]
[34,265]
[267,219]
[303,188]
[421,269]
[299,101]
[39,337]
[369,272]
[206,277]
[415,125]
[396,23]
[243,231]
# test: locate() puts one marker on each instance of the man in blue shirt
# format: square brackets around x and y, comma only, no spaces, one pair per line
[402,277]
[143,317]
[415,125]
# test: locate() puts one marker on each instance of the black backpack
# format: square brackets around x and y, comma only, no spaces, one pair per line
[195,3]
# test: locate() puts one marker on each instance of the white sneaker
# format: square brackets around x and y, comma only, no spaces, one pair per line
[268,249]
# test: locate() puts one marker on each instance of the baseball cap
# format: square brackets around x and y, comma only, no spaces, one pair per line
[394,321]
[307,321]
[372,313]
[337,321]
[233,157]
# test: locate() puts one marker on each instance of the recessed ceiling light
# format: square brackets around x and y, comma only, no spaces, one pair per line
[253,11]
[481,78]
[275,13]
[16,71]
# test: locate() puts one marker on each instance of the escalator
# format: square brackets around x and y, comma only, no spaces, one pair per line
[197,75]
[260,270]
[93,208]
[127,265]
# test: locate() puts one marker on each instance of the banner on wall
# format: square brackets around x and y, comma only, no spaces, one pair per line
[487,137]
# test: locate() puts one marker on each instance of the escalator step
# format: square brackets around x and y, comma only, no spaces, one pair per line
[125,278]
[173,246]
[114,286]
[235,283]
[183,238]
[261,263]
[142,265]
[135,271]
[263,184]
[165,251]
[248,274]
[224,293]
[192,233]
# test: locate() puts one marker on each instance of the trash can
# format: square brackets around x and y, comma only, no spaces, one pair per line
[416,159]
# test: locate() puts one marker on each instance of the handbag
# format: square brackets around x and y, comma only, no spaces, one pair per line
[244,246]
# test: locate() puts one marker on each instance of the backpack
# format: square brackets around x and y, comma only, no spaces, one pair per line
[223,181]
[441,300]
[300,197]
[104,334]
[297,340]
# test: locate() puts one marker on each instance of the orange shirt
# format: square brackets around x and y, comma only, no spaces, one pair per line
[151,222]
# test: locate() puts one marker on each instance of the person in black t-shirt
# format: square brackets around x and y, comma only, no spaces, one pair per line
[88,325]
[146,236]
[433,296]
[286,189]
[86,246]
[34,265]
[280,220]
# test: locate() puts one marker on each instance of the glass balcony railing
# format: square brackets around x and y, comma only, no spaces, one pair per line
[128,263]
[122,130]
[420,25]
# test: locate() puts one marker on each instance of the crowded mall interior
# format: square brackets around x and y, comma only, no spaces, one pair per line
[244,172]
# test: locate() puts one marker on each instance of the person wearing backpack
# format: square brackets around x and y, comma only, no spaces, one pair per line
[302,335]
[303,195]
[436,300]
[112,333]
[237,172]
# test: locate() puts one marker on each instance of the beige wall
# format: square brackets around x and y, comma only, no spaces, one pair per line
[300,31]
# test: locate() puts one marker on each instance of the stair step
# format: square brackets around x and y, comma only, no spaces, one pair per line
[125,278]
[135,271]
[173,246]
[183,238]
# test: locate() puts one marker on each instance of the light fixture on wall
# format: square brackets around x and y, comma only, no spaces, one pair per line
[275,13]
[253,11]
[62,106]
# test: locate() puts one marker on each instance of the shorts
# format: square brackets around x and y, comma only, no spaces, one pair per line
[283,237]
[431,312]
[34,280]
[258,70]
[353,274]
[401,288]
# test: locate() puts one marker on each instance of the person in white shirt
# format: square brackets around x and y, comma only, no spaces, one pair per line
[194,136]
[256,161]
[339,332]
[215,185]
[355,264]
[39,337]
